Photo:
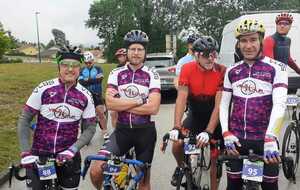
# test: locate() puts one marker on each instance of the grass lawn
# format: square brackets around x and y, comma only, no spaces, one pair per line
[16,84]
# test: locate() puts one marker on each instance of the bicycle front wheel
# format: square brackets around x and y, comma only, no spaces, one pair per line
[290,150]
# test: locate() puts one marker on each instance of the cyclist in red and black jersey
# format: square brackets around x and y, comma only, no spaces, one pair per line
[277,46]
[200,84]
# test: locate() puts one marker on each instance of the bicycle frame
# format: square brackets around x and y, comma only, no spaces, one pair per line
[108,182]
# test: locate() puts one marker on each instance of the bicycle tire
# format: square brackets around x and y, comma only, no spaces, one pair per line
[288,172]
[219,170]
[189,179]
[179,180]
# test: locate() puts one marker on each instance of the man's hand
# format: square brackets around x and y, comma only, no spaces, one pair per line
[66,155]
[230,142]
[271,152]
[173,134]
[27,159]
[203,139]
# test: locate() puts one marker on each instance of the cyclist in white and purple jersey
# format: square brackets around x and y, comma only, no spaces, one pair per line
[134,92]
[59,104]
[257,88]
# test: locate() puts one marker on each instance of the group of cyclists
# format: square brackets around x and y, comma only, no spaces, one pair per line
[242,105]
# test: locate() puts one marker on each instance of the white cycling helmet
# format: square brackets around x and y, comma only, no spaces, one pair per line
[88,56]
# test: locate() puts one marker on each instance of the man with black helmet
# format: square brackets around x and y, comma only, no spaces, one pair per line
[59,104]
[252,108]
[187,58]
[134,92]
[199,84]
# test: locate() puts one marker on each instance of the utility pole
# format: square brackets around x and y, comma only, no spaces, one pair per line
[38,35]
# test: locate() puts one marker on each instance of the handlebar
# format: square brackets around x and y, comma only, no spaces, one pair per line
[134,162]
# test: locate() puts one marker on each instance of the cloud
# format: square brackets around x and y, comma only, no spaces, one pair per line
[66,15]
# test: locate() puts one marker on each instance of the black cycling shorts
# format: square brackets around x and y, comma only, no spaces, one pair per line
[68,175]
[197,124]
[234,168]
[143,140]
[98,100]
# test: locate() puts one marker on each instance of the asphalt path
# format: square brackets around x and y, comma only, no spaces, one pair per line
[163,164]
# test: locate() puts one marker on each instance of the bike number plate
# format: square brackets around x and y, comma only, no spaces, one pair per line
[47,171]
[191,149]
[253,171]
[112,169]
[292,100]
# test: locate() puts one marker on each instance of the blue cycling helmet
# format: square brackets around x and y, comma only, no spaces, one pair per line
[136,36]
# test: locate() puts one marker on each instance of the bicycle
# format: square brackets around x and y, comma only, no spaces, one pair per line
[290,143]
[129,171]
[195,162]
[44,166]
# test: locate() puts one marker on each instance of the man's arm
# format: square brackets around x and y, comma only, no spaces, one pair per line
[279,96]
[293,65]
[268,47]
[214,118]
[151,107]
[118,104]
[24,129]
[180,105]
[87,135]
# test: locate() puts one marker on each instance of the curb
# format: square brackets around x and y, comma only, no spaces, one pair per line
[4,175]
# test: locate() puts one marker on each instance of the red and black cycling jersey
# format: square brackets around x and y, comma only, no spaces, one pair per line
[202,84]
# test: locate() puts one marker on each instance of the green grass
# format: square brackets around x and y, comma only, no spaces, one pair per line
[16,84]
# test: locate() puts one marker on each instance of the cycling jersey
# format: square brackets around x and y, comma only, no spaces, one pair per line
[134,85]
[278,47]
[185,59]
[59,114]
[258,94]
[92,73]
[202,84]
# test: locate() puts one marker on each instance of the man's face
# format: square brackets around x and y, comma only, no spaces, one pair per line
[122,59]
[89,64]
[69,70]
[136,54]
[249,46]
[283,27]
[206,59]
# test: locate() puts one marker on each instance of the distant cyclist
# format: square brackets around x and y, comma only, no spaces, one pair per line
[134,92]
[91,77]
[187,58]
[121,55]
[200,84]
[252,106]
[277,46]
[60,105]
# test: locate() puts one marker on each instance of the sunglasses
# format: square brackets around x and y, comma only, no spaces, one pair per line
[208,53]
[68,63]
[283,23]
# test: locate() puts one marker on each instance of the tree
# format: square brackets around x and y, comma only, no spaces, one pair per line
[5,42]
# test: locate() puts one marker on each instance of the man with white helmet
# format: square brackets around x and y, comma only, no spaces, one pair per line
[91,77]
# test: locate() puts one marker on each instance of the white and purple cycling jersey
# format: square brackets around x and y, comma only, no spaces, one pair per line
[133,85]
[258,95]
[59,114]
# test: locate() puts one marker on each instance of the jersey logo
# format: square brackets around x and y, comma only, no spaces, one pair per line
[132,91]
[43,84]
[280,64]
[62,112]
[248,87]
[52,94]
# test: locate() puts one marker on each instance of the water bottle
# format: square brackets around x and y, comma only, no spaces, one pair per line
[193,158]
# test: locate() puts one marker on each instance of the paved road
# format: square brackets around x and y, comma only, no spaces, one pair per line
[163,164]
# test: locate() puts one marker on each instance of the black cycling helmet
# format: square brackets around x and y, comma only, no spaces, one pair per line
[205,44]
[136,36]
[191,38]
[69,53]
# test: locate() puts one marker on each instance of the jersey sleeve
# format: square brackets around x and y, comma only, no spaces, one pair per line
[89,113]
[279,96]
[112,81]
[268,47]
[100,72]
[221,82]
[34,101]
[184,76]
[154,82]
[179,67]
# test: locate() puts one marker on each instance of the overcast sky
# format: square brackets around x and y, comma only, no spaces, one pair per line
[66,15]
